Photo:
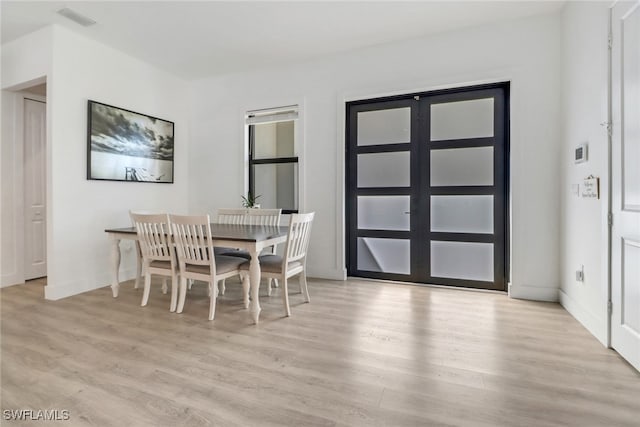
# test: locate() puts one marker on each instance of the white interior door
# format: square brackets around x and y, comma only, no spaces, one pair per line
[625,232]
[35,233]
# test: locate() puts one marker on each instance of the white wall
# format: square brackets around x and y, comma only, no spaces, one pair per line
[10,194]
[526,52]
[79,210]
[584,107]
[27,59]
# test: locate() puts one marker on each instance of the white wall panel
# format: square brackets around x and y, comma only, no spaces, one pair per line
[583,223]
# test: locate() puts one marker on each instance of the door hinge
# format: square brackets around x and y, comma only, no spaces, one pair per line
[417,97]
[610,41]
[610,219]
[609,307]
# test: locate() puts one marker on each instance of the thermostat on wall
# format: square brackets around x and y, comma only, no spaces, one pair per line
[581,153]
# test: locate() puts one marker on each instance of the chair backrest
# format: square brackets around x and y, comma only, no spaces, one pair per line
[298,237]
[263,217]
[231,216]
[192,237]
[154,236]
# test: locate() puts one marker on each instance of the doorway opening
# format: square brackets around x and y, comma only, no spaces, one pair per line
[427,187]
[35,214]
[24,160]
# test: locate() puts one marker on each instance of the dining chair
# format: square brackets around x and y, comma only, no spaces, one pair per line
[294,260]
[267,217]
[197,259]
[231,216]
[158,254]
[139,273]
[264,217]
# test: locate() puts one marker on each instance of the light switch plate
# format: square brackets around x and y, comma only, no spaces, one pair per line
[575,189]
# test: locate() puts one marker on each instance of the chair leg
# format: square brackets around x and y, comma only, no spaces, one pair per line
[303,286]
[190,283]
[136,284]
[275,283]
[222,287]
[147,289]
[212,300]
[285,297]
[269,280]
[174,293]
[245,289]
[164,286]
[183,294]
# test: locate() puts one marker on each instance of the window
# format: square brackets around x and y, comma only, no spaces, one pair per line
[273,160]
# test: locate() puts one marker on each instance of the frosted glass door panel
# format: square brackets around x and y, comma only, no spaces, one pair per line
[384,169]
[462,260]
[462,214]
[462,166]
[384,126]
[631,111]
[383,213]
[462,120]
[384,255]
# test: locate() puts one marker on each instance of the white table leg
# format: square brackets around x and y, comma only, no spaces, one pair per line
[245,290]
[115,265]
[254,280]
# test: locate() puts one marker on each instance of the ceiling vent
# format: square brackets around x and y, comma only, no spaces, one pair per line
[76,17]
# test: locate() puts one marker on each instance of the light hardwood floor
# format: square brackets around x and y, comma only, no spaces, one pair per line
[360,354]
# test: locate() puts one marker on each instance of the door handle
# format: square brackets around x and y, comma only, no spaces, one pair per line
[407,212]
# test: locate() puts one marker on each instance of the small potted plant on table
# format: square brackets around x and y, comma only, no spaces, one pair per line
[249,201]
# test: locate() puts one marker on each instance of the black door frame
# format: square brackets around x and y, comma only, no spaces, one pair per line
[420,191]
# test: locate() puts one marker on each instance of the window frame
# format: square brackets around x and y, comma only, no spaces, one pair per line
[272,160]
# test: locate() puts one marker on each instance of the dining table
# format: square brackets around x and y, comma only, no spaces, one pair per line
[252,238]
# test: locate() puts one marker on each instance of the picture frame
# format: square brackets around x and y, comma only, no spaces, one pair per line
[123,145]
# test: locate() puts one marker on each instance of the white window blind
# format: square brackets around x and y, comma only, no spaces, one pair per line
[272,115]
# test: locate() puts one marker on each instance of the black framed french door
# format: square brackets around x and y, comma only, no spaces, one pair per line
[427,187]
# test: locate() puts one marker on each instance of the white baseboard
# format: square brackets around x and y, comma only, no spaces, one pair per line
[55,292]
[323,273]
[533,293]
[597,327]
[7,281]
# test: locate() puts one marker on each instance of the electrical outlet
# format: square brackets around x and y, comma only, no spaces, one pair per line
[580,274]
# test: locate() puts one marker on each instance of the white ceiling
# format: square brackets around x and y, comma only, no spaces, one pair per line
[205,38]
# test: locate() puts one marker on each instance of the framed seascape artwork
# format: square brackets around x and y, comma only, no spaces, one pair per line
[128,146]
